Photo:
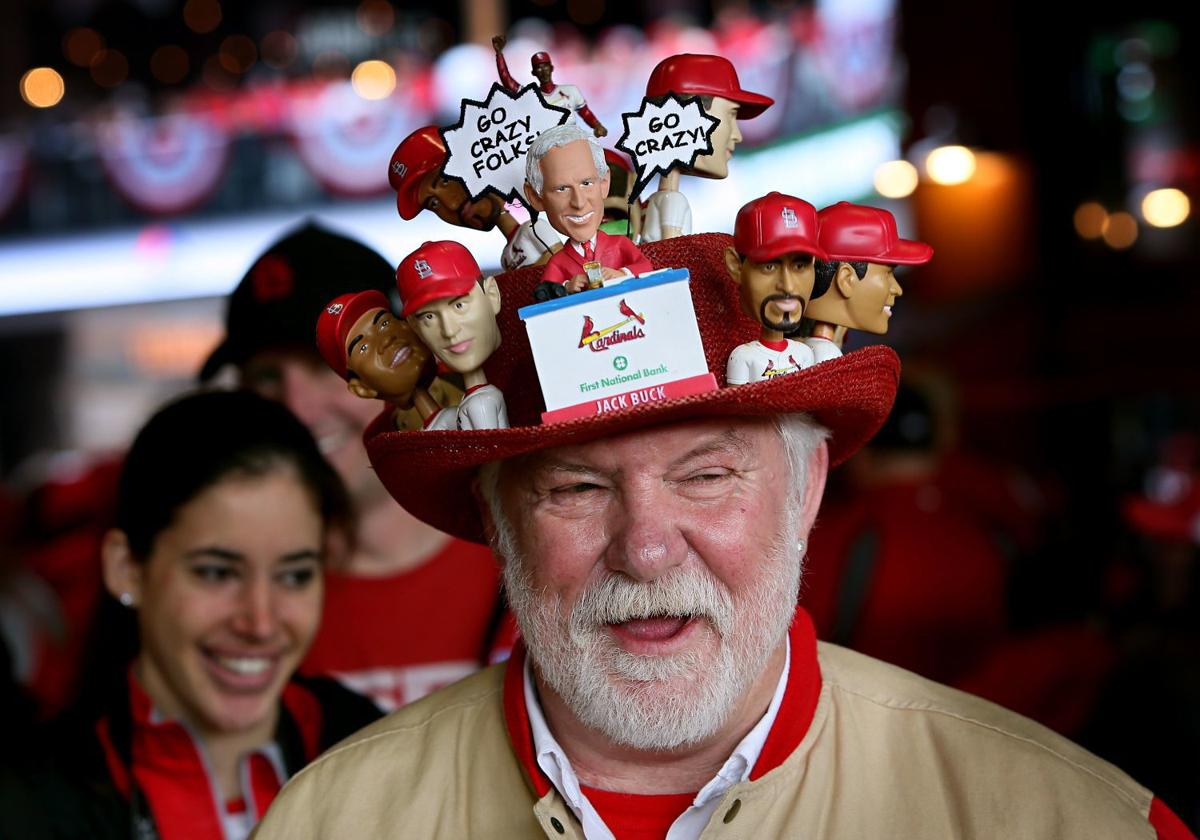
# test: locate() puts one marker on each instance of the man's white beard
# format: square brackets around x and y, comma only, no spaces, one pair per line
[655,702]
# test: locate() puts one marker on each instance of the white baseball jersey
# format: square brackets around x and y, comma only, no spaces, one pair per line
[482,408]
[754,361]
[528,243]
[823,349]
[565,96]
[666,208]
[445,420]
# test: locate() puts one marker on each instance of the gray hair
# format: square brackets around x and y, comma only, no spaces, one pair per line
[801,435]
[552,138]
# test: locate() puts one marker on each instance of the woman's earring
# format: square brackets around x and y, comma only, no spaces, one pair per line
[126,599]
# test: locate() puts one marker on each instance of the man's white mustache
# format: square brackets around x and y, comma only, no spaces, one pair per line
[682,593]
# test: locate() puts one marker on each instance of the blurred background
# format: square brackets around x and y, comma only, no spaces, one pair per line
[1026,527]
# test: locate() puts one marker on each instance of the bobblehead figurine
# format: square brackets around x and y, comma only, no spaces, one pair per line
[380,356]
[415,174]
[563,96]
[855,284]
[774,244]
[567,177]
[715,81]
[453,309]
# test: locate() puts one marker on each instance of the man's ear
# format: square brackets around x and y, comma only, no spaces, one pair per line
[733,264]
[845,280]
[360,389]
[606,182]
[492,289]
[122,573]
[535,200]
[814,486]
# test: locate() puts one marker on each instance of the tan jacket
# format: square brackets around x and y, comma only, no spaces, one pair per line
[888,754]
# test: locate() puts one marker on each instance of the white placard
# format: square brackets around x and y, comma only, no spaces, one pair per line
[486,148]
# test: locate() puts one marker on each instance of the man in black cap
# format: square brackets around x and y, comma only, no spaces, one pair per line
[408,608]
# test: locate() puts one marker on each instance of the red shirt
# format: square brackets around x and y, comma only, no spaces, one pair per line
[400,637]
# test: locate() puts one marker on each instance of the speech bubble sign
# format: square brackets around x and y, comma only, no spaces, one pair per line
[662,137]
[486,148]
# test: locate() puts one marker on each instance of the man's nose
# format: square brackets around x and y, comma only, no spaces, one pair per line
[791,279]
[578,198]
[645,545]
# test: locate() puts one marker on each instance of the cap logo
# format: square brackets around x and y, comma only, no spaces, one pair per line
[422,268]
[271,279]
[335,308]
[789,218]
[399,168]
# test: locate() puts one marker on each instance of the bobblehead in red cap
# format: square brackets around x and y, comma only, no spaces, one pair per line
[856,286]
[668,213]
[453,309]
[415,175]
[377,353]
[771,261]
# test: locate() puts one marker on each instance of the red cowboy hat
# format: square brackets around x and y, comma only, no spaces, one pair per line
[430,473]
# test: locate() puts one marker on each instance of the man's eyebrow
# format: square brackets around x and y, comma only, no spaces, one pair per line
[728,442]
[353,342]
[378,315]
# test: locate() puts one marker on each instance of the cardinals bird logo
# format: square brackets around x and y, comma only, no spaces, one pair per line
[597,340]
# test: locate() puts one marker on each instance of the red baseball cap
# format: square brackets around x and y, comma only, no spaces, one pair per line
[774,225]
[336,321]
[434,271]
[851,396]
[418,154]
[857,233]
[539,58]
[690,74]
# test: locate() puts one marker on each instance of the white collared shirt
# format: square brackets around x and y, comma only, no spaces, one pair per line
[690,824]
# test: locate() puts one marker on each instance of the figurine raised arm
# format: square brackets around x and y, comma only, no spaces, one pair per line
[855,285]
[714,79]
[453,309]
[771,260]
[567,176]
[416,176]
[380,356]
[564,96]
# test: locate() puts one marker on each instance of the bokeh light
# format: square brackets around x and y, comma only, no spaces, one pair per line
[1089,219]
[373,79]
[950,165]
[81,44]
[202,16]
[170,64]
[1120,230]
[375,17]
[237,54]
[109,68]
[42,87]
[896,179]
[279,49]
[1166,207]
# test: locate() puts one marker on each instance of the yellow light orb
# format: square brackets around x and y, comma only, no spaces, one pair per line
[1120,231]
[42,87]
[1166,207]
[895,179]
[950,165]
[373,79]
[1090,218]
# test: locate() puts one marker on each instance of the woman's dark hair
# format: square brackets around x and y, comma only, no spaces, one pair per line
[201,439]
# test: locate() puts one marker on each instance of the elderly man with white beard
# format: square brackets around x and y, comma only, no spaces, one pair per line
[667,685]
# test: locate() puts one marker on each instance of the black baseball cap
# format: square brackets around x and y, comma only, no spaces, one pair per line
[276,304]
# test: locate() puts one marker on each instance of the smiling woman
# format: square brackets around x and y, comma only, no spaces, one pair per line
[223,513]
